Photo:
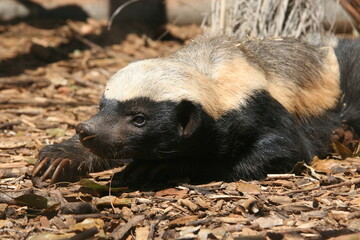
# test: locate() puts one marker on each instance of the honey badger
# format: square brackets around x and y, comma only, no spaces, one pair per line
[217,109]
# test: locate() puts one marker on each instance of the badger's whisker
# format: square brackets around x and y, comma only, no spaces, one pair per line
[89,137]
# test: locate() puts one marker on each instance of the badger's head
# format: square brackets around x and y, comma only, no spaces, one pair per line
[150,110]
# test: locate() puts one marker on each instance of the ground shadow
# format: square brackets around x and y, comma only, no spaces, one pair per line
[133,20]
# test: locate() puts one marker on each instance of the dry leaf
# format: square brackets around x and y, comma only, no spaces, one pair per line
[171,193]
[181,221]
[245,187]
[52,236]
[355,201]
[269,222]
[279,199]
[112,200]
[142,232]
[342,150]
[10,143]
[326,165]
[186,202]
[353,236]
[88,223]
[302,206]
[188,232]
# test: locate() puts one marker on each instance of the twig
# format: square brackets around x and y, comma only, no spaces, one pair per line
[117,11]
[121,230]
[199,189]
[280,176]
[80,217]
[352,182]
[87,42]
[31,102]
[88,233]
[352,10]
[9,124]
[153,226]
[299,191]
[199,222]
[263,18]
[5,198]
[7,83]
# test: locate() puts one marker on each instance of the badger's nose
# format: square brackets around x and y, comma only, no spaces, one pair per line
[86,134]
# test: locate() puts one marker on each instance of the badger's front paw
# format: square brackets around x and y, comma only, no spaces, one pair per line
[53,164]
[60,162]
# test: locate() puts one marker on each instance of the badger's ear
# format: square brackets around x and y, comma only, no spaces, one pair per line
[189,117]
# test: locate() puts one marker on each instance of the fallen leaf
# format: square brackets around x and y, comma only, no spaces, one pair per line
[326,166]
[340,215]
[269,222]
[355,201]
[252,205]
[181,221]
[354,236]
[33,200]
[88,223]
[188,232]
[12,165]
[245,187]
[78,208]
[142,232]
[279,199]
[52,236]
[6,224]
[112,200]
[316,214]
[342,150]
[11,143]
[55,132]
[232,219]
[202,203]
[307,183]
[309,225]
[171,193]
[302,206]
[354,225]
[186,202]
[283,183]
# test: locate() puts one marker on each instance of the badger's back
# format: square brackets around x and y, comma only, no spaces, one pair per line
[304,78]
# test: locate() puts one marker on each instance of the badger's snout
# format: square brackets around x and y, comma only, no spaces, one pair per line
[87,134]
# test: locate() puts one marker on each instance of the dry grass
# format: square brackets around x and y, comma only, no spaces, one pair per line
[264,18]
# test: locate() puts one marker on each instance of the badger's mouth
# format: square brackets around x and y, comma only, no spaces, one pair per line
[105,149]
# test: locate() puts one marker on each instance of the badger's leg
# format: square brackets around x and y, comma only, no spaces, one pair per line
[140,172]
[66,161]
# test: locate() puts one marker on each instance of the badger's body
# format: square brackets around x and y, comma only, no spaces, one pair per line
[218,109]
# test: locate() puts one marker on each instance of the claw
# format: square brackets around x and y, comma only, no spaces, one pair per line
[50,169]
[38,183]
[40,166]
[65,162]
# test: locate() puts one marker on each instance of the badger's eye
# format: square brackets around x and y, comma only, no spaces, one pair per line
[139,120]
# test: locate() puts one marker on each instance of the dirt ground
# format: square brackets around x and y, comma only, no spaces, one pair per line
[52,74]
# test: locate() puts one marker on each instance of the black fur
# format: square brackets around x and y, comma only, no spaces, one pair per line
[348,54]
[180,140]
[243,144]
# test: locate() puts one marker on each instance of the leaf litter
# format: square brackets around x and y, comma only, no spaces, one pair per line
[52,77]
